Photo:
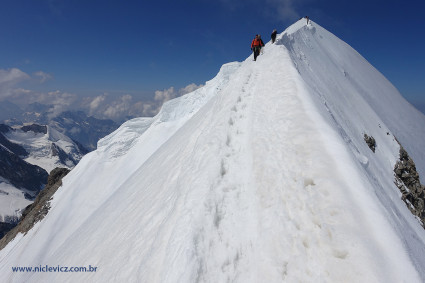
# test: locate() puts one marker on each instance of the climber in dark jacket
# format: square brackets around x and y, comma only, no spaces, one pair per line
[256,45]
[274,33]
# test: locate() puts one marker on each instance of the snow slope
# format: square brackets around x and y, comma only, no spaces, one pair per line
[354,93]
[12,202]
[262,175]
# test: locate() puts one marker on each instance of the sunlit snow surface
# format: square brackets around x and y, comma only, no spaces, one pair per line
[12,202]
[262,175]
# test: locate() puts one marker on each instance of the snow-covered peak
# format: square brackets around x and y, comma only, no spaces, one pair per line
[300,24]
[262,175]
[47,147]
[354,94]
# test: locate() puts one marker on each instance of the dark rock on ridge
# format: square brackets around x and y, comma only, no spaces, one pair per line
[370,142]
[35,128]
[20,173]
[36,211]
[407,180]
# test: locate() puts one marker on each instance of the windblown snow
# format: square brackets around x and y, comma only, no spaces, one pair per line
[262,175]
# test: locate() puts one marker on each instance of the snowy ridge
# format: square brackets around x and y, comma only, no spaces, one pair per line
[175,112]
[331,69]
[260,176]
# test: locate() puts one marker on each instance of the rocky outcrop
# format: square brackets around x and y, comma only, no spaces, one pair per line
[81,148]
[407,180]
[35,128]
[63,157]
[39,209]
[370,141]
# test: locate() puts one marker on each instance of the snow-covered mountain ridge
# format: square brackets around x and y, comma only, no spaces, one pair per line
[47,147]
[346,84]
[262,175]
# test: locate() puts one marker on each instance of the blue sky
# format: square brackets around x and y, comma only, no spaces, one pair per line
[113,55]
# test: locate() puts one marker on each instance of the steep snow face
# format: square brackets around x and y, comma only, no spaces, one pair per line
[356,96]
[153,132]
[255,177]
[356,99]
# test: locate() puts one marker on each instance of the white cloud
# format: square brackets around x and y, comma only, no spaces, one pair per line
[101,106]
[96,102]
[119,108]
[104,106]
[148,109]
[9,80]
[61,101]
[12,76]
[42,76]
[20,92]
[58,97]
[170,93]
[108,107]
[165,95]
[162,96]
[190,88]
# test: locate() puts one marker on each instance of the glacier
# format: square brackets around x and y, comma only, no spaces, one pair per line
[262,175]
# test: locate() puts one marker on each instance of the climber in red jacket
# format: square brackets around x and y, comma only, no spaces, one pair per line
[256,45]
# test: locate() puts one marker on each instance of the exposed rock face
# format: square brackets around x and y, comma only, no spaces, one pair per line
[407,180]
[63,157]
[20,173]
[35,128]
[82,149]
[370,142]
[13,147]
[4,128]
[39,209]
